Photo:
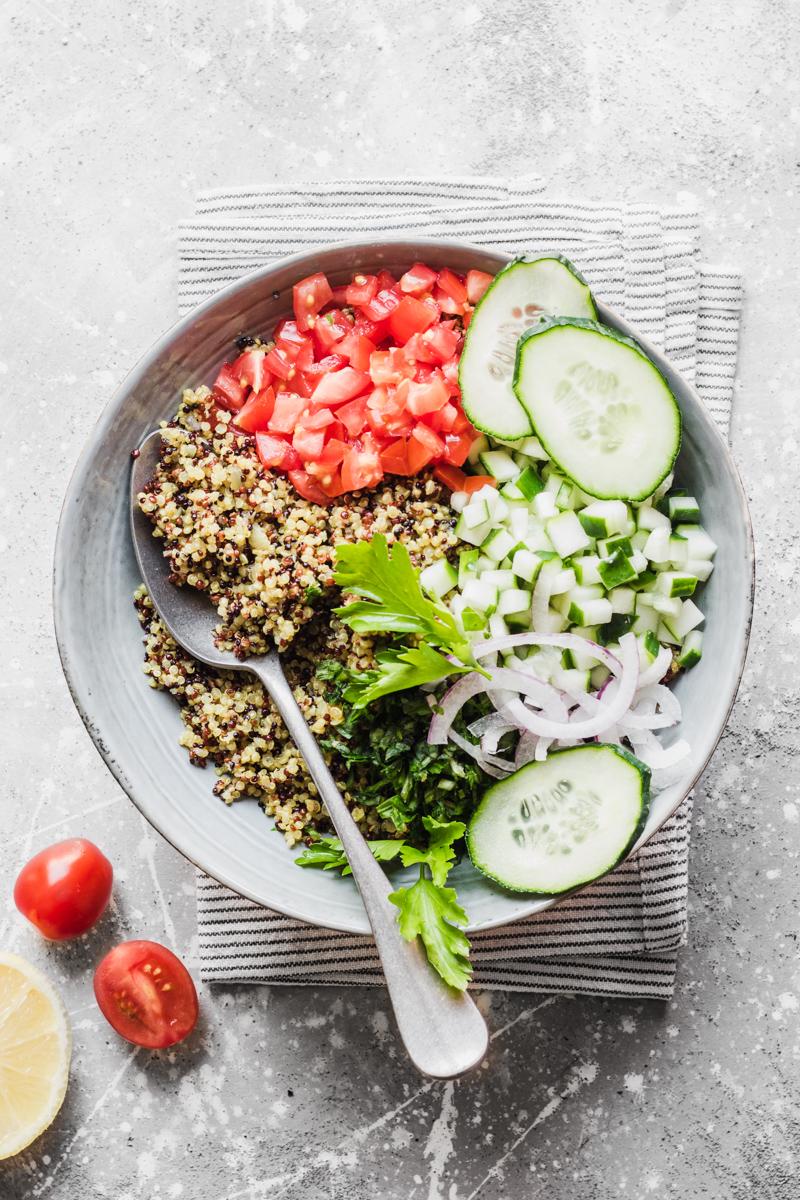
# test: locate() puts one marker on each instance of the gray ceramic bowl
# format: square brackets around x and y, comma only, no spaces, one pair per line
[136,729]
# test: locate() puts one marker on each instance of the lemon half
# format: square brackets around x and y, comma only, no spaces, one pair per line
[35,1050]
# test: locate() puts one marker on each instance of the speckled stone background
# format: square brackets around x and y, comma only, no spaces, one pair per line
[112,116]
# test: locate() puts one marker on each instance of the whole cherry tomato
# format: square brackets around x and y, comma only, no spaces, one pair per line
[146,994]
[64,889]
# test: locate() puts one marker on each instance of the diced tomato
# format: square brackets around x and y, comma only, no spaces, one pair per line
[466,317]
[290,339]
[419,453]
[301,383]
[438,344]
[308,487]
[411,316]
[330,328]
[276,452]
[342,385]
[286,412]
[227,389]
[389,366]
[376,331]
[320,419]
[427,397]
[250,370]
[257,411]
[417,280]
[361,466]
[450,373]
[339,295]
[457,447]
[308,442]
[424,434]
[280,363]
[463,424]
[309,296]
[452,477]
[386,280]
[453,285]
[331,362]
[361,290]
[442,419]
[353,415]
[446,302]
[394,458]
[474,483]
[333,453]
[358,349]
[382,305]
[477,283]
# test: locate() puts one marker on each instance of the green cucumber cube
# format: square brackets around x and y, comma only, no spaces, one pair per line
[683,510]
[616,570]
[529,483]
[499,464]
[692,649]
[613,630]
[544,505]
[554,482]
[572,680]
[514,600]
[475,535]
[607,546]
[481,596]
[477,448]
[666,637]
[467,566]
[700,544]
[439,578]
[501,578]
[639,539]
[678,551]
[646,621]
[585,569]
[676,583]
[563,579]
[531,447]
[667,606]
[701,567]
[567,534]
[685,620]
[651,519]
[590,612]
[510,491]
[526,565]
[599,676]
[476,513]
[657,546]
[623,600]
[603,518]
[497,626]
[498,544]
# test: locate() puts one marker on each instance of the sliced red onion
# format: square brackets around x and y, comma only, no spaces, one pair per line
[566,641]
[473,684]
[660,695]
[542,746]
[527,749]
[491,738]
[657,669]
[647,747]
[540,604]
[498,768]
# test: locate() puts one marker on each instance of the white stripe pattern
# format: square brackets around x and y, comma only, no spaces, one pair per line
[620,936]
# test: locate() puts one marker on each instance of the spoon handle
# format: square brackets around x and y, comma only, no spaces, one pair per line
[444,1033]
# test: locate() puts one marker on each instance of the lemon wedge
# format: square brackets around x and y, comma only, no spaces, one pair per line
[35,1050]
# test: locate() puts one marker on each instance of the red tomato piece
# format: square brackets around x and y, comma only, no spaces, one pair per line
[382,305]
[389,366]
[320,419]
[309,296]
[439,344]
[332,454]
[361,466]
[308,487]
[330,328]
[427,397]
[251,371]
[419,454]
[442,419]
[358,349]
[146,994]
[424,434]
[386,280]
[446,302]
[353,415]
[339,295]
[457,447]
[326,365]
[376,331]
[453,285]
[417,280]
[290,339]
[276,452]
[308,442]
[474,483]
[411,316]
[257,411]
[452,477]
[228,391]
[342,385]
[361,290]
[64,889]
[394,458]
[287,411]
[477,283]
[281,363]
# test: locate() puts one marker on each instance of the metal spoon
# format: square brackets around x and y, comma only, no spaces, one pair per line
[443,1031]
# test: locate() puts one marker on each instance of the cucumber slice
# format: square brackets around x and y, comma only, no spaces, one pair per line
[518,296]
[599,406]
[555,825]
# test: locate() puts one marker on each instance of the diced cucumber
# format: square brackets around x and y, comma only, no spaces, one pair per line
[692,650]
[683,510]
[531,447]
[666,636]
[613,630]
[553,482]
[458,501]
[602,518]
[476,513]
[529,483]
[665,606]
[622,599]
[657,546]
[650,519]
[563,579]
[476,449]
[499,464]
[639,564]
[700,544]
[498,544]
[510,491]
[569,497]
[439,578]
[536,538]
[701,567]
[501,579]
[467,566]
[567,534]
[582,660]
[639,539]
[554,825]
[526,565]
[473,621]
[600,675]
[474,535]
[590,612]
[518,519]
[685,620]
[616,570]
[607,546]
[585,569]
[497,626]
[481,596]
[572,680]
[676,583]
[647,654]
[646,621]
[512,601]
[600,407]
[678,551]
[544,505]
[519,295]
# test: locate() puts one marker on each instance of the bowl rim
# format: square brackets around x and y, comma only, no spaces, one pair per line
[140,368]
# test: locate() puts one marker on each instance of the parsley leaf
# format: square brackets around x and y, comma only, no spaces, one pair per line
[433,913]
[327,852]
[440,854]
[395,602]
[400,668]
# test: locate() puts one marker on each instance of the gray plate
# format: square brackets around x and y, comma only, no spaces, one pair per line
[136,729]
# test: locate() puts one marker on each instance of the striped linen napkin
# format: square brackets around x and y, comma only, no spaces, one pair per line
[620,936]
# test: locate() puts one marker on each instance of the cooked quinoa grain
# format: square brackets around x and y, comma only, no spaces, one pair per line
[265,557]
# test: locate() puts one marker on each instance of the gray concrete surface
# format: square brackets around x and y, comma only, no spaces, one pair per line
[112,116]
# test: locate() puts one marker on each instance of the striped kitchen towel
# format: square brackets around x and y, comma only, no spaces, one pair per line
[620,936]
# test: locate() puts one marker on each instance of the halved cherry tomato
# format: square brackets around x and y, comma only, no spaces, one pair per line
[340,386]
[308,487]
[146,994]
[286,412]
[257,411]
[227,390]
[417,280]
[309,296]
[64,889]
[477,283]
[361,290]
[276,452]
